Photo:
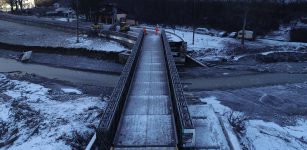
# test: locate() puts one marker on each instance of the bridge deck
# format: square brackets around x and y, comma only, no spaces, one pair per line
[148,119]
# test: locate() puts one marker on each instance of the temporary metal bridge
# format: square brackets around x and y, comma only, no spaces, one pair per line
[147,109]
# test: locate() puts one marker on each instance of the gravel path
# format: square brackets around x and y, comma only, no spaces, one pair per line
[14,33]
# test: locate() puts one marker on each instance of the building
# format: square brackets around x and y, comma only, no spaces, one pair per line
[121,16]
[110,14]
[27,4]
[131,20]
[107,14]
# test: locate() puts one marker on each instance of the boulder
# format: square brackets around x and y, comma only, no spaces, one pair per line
[26,56]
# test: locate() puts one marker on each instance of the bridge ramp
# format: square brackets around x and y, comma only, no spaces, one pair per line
[148,120]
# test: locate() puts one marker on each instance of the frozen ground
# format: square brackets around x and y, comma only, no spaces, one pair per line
[206,121]
[33,116]
[260,135]
[282,34]
[66,61]
[274,113]
[14,33]
[211,48]
[282,103]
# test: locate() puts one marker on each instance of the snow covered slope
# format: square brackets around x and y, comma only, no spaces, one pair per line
[35,117]
[261,135]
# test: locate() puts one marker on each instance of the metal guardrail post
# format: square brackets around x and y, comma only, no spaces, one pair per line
[184,124]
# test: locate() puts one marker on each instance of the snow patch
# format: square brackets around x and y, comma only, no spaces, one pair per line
[41,143]
[268,135]
[267,53]
[48,119]
[95,44]
[65,19]
[71,90]
[32,92]
[4,112]
[201,40]
[218,107]
[261,135]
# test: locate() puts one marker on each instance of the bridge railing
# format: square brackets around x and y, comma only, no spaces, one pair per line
[184,124]
[109,121]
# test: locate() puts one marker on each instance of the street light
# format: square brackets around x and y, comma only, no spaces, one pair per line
[193,21]
[77,13]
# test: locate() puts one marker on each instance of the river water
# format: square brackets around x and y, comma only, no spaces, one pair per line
[194,84]
[74,76]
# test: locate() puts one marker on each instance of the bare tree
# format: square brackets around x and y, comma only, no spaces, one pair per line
[11,3]
[16,5]
[20,3]
[2,2]
[246,8]
[237,121]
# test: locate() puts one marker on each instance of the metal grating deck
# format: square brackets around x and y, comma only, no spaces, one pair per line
[147,120]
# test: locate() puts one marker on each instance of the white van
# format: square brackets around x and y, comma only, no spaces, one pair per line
[202,31]
[249,35]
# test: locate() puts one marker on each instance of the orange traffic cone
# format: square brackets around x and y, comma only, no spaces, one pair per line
[144,29]
[157,30]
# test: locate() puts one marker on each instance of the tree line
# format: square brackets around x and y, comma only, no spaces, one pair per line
[262,16]
[88,7]
[16,5]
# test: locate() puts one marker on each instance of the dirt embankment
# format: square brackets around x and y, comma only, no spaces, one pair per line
[62,50]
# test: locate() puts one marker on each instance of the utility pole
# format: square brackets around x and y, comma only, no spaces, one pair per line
[244,27]
[77,13]
[193,21]
[91,14]
[244,22]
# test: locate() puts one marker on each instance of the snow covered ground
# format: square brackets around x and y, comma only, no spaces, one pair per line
[71,90]
[35,117]
[94,44]
[282,34]
[201,40]
[212,46]
[20,34]
[209,47]
[65,19]
[260,135]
